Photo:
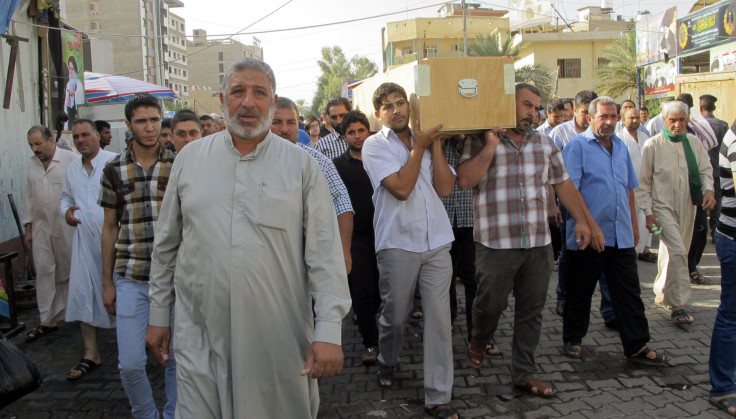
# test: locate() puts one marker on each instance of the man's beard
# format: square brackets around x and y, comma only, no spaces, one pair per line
[248,132]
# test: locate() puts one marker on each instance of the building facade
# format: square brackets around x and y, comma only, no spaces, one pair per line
[208,60]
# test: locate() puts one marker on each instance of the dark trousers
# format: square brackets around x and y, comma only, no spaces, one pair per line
[700,238]
[619,266]
[462,253]
[363,283]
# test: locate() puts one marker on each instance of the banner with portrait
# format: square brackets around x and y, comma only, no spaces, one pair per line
[658,79]
[708,27]
[72,53]
[723,58]
[655,37]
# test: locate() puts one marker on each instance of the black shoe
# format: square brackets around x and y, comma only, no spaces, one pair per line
[612,324]
[560,308]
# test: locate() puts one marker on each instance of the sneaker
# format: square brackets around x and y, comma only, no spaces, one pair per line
[369,356]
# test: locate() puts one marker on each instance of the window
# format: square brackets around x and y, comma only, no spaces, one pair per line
[222,68]
[407,51]
[220,57]
[603,61]
[569,68]
[430,52]
[222,77]
[185,73]
[94,26]
[185,89]
[184,58]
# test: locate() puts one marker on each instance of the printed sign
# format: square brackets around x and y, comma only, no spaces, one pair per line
[706,28]
[658,79]
[655,37]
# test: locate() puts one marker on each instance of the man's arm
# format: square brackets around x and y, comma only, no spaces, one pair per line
[442,177]
[28,211]
[643,194]
[471,171]
[345,225]
[401,183]
[586,229]
[634,220]
[110,230]
[67,205]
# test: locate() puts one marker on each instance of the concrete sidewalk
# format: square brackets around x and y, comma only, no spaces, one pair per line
[603,384]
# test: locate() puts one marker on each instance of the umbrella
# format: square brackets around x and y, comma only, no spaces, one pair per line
[107,88]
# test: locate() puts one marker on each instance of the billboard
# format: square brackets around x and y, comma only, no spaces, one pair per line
[723,58]
[708,27]
[658,79]
[71,50]
[655,37]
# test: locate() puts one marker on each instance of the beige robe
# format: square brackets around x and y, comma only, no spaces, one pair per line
[52,236]
[246,244]
[664,190]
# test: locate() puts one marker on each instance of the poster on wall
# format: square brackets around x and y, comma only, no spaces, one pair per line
[723,58]
[708,27]
[655,37]
[71,47]
[658,79]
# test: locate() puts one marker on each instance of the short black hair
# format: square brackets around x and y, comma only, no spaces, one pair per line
[286,103]
[85,121]
[628,100]
[584,97]
[354,116]
[336,102]
[206,117]
[166,123]
[644,108]
[527,86]
[555,105]
[708,102]
[384,90]
[568,100]
[100,124]
[44,130]
[685,98]
[185,115]
[139,100]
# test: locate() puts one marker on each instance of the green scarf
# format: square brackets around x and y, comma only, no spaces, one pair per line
[693,172]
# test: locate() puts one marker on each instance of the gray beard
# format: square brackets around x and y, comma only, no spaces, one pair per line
[238,129]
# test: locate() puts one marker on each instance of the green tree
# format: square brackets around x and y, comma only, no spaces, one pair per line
[336,69]
[617,77]
[304,109]
[537,75]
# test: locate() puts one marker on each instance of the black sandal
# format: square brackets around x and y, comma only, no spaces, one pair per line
[642,359]
[84,367]
[725,404]
[696,278]
[385,376]
[442,411]
[681,317]
[38,332]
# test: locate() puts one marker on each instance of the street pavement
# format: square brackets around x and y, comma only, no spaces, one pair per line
[602,384]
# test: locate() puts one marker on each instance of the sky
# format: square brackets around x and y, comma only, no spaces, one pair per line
[293,53]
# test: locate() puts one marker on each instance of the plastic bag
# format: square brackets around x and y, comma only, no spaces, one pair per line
[18,375]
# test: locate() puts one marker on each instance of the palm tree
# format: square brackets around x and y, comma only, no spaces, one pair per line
[618,77]
[537,75]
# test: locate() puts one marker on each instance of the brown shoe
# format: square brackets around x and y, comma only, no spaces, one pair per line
[475,355]
[369,356]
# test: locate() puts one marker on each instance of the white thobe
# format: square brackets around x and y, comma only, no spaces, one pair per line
[52,237]
[85,280]
[664,190]
[635,147]
[254,240]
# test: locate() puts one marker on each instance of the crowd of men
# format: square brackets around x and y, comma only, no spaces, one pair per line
[235,258]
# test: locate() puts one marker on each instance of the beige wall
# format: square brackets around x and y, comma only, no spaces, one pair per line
[206,67]
[205,102]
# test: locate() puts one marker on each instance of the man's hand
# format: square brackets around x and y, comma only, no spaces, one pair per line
[28,237]
[651,222]
[582,235]
[636,236]
[491,137]
[423,140]
[709,201]
[554,216]
[323,360]
[69,216]
[348,262]
[108,296]
[597,239]
[157,340]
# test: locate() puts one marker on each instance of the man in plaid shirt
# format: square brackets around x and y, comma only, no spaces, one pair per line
[510,170]
[334,145]
[132,188]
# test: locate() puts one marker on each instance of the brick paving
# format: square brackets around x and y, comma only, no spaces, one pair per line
[602,384]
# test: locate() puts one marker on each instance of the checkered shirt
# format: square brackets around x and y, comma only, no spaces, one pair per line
[459,204]
[136,196]
[332,145]
[510,202]
[339,192]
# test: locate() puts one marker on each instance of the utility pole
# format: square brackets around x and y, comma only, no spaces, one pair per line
[465,31]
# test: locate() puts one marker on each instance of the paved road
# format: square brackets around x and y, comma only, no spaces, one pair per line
[603,384]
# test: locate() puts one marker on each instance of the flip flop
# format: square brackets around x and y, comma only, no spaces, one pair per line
[84,367]
[681,317]
[441,411]
[725,404]
[475,355]
[696,278]
[493,350]
[642,359]
[572,351]
[536,387]
[385,376]
[38,332]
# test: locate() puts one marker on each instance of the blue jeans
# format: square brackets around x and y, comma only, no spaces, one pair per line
[723,340]
[132,306]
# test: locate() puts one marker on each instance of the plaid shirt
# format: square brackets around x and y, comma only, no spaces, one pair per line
[332,145]
[340,196]
[510,201]
[136,196]
[459,204]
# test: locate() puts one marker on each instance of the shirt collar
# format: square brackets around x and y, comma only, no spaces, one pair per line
[388,132]
[588,134]
[129,158]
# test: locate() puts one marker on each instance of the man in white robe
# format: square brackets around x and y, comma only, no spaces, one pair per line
[247,235]
[665,195]
[49,237]
[80,210]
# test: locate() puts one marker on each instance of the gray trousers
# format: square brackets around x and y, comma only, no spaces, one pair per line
[526,272]
[400,272]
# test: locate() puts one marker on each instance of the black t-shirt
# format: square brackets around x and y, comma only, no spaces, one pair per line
[360,190]
[323,132]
